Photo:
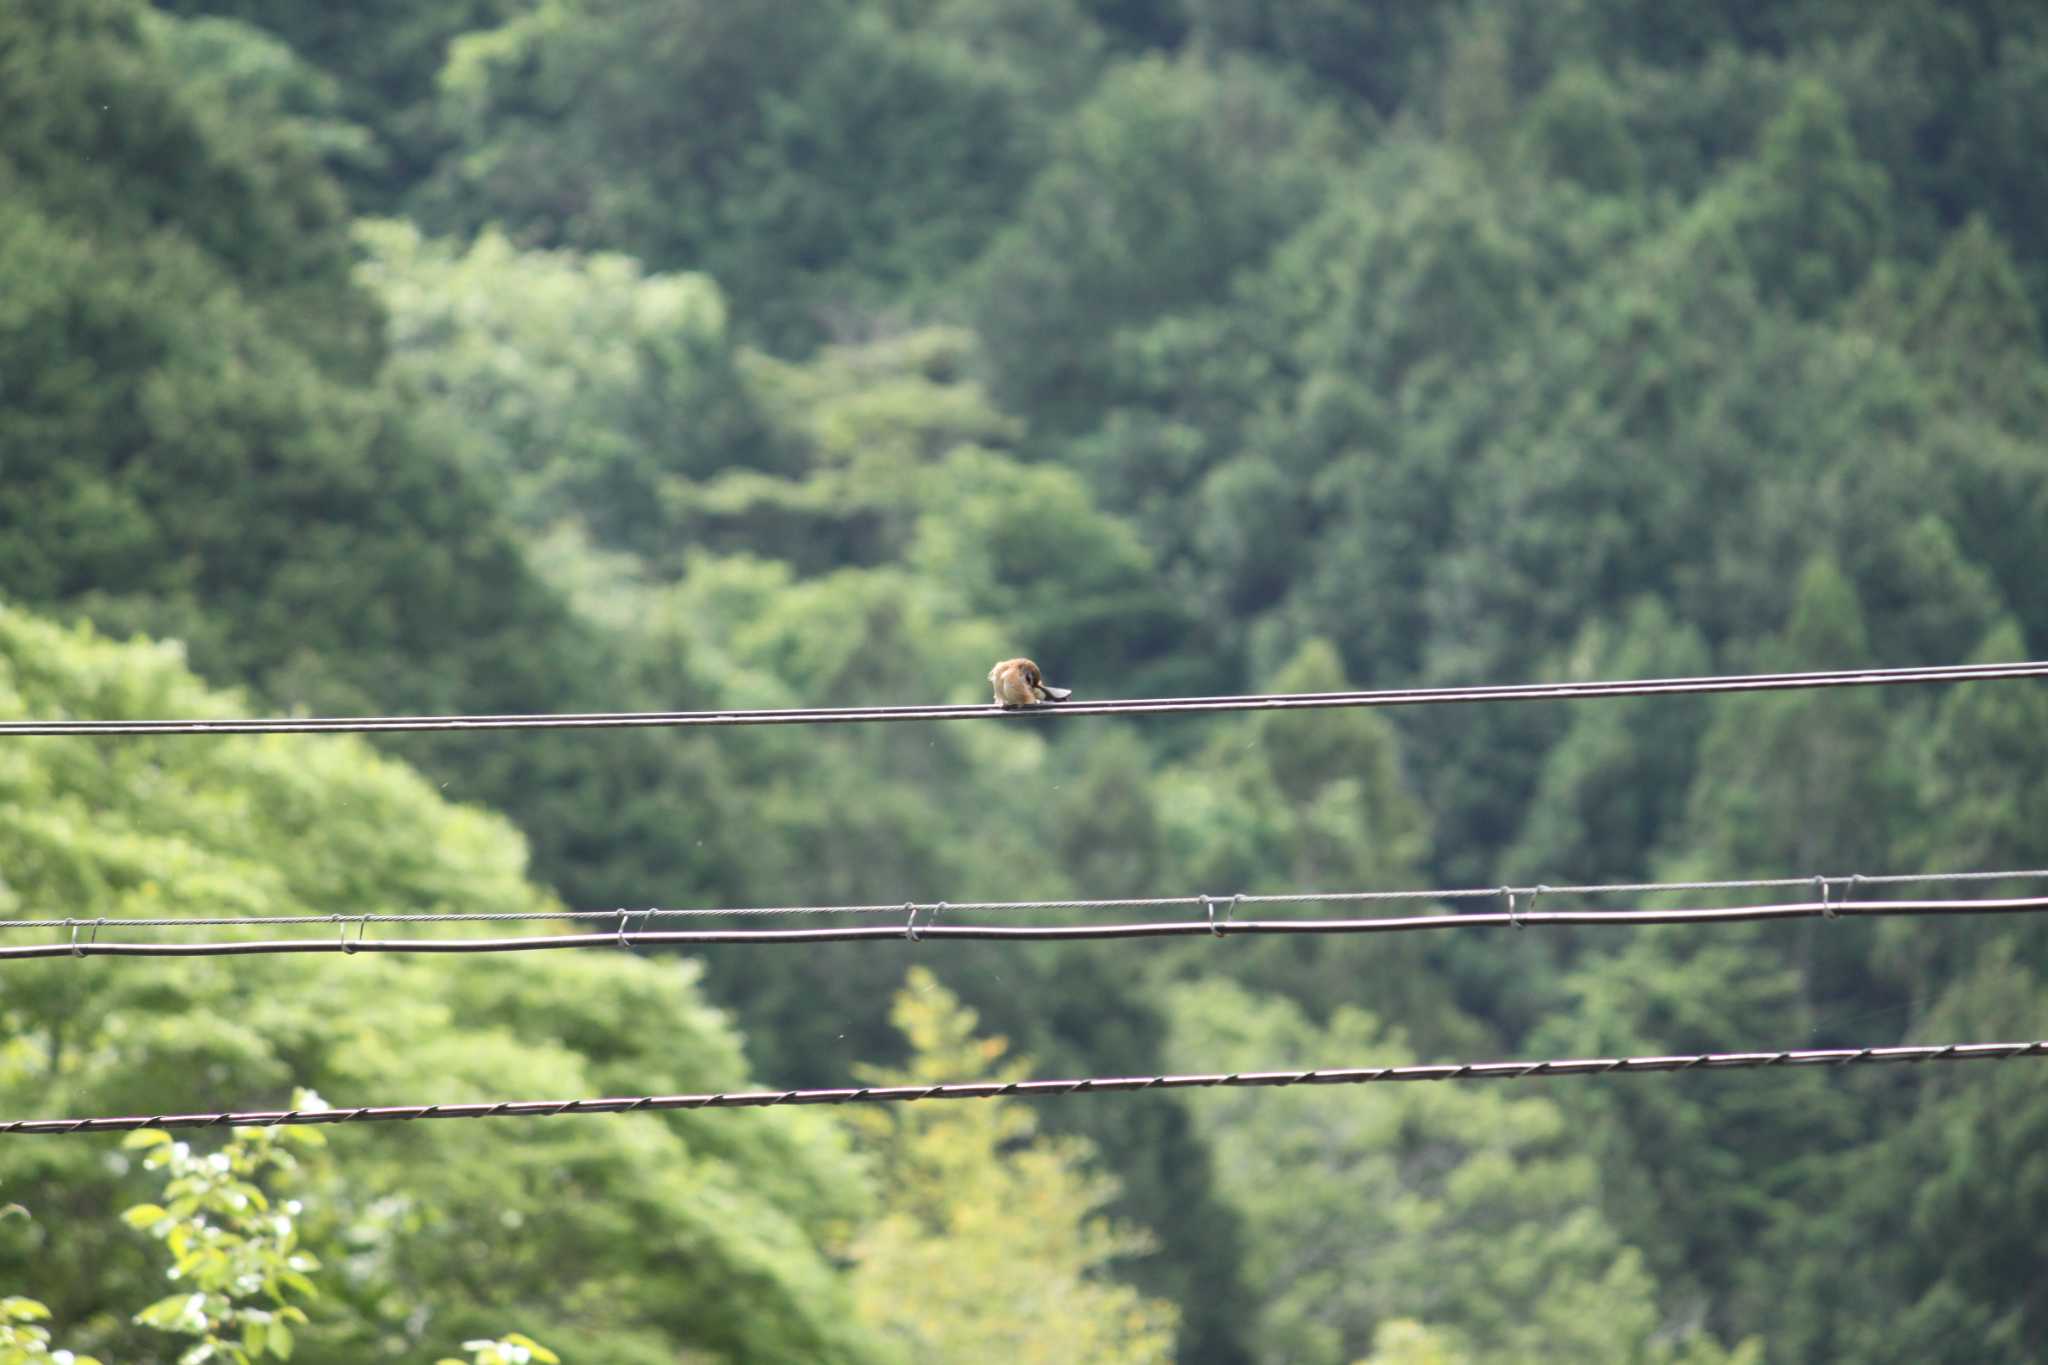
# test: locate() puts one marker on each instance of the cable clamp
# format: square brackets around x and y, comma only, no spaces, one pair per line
[1828,909]
[625,941]
[910,924]
[1229,904]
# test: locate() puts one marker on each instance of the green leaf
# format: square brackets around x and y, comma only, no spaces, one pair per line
[540,1352]
[164,1311]
[146,1137]
[280,1341]
[144,1215]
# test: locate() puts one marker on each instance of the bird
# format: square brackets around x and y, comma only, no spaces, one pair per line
[1019,683]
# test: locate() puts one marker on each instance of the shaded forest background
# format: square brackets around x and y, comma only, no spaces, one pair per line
[506,355]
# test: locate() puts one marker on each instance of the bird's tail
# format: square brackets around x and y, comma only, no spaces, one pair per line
[1055,693]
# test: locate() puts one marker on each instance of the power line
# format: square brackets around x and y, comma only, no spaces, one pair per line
[912,931]
[989,1090]
[1848,882]
[844,715]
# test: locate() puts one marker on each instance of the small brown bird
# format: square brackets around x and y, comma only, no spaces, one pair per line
[1019,683]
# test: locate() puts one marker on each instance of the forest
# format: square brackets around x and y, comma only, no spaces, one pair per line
[495,356]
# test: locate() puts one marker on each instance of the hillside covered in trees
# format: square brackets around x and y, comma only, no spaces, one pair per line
[548,355]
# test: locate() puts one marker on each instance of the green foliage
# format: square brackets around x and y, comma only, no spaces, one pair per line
[380,58]
[103,137]
[25,1341]
[1377,52]
[1187,346]
[989,1243]
[659,1233]
[1169,179]
[514,1349]
[1810,188]
[1614,784]
[1577,131]
[192,444]
[811,139]
[1027,546]
[1316,802]
[582,387]
[235,1247]
[1939,1285]
[1971,327]
[237,1251]
[1461,1205]
[229,64]
[1790,781]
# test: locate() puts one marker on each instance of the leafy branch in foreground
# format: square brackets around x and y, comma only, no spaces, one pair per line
[515,1348]
[236,1249]
[24,1342]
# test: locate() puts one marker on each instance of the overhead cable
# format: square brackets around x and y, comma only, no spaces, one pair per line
[1528,894]
[989,1090]
[911,931]
[846,715]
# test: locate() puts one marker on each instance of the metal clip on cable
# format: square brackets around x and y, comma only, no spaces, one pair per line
[1828,909]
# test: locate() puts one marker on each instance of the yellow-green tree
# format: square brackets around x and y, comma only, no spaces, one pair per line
[990,1244]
